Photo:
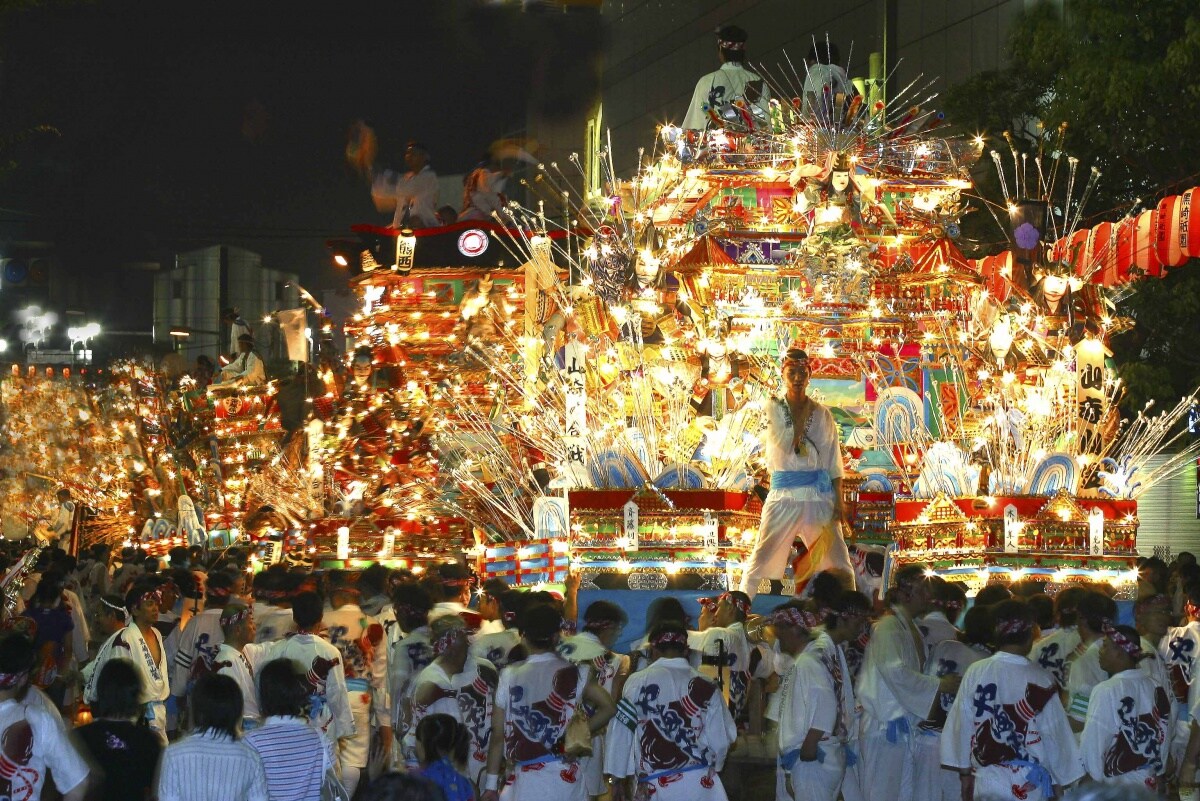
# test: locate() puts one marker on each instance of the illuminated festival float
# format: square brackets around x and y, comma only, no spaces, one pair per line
[583,385]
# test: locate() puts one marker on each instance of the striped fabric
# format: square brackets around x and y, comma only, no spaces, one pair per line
[295,756]
[211,767]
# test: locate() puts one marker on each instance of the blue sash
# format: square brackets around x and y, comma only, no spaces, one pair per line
[1036,773]
[793,479]
[896,729]
[358,685]
[788,761]
[547,758]
[688,769]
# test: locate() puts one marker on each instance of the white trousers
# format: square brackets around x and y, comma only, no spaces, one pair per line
[818,780]
[785,520]
[887,769]
[932,781]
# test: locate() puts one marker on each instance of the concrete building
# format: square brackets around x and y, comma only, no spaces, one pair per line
[192,295]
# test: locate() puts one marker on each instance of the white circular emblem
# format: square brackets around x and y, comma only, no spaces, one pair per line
[473,243]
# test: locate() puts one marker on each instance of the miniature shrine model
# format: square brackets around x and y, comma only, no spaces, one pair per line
[583,385]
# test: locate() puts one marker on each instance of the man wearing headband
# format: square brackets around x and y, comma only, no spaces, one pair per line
[1054,651]
[1180,649]
[456,595]
[812,758]
[140,643]
[200,637]
[535,701]
[32,736]
[1096,610]
[455,684]
[497,647]
[246,368]
[718,90]
[359,638]
[725,651]
[239,658]
[803,510]
[1007,734]
[1129,718]
[672,730]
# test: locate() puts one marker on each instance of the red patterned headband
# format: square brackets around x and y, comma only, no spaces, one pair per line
[234,618]
[1013,627]
[597,626]
[446,639]
[731,45]
[9,680]
[741,604]
[219,592]
[1133,649]
[1159,600]
[792,616]
[669,638]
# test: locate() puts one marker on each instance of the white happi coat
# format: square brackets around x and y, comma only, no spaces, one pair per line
[359,638]
[1125,738]
[798,513]
[1084,674]
[896,695]
[949,657]
[538,698]
[408,657]
[935,628]
[1008,726]
[809,700]
[1056,651]
[733,674]
[495,647]
[241,667]
[128,643]
[672,731]
[198,643]
[468,697]
[1179,650]
[606,668]
[322,664]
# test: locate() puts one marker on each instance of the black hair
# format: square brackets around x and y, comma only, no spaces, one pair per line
[178,555]
[1156,572]
[373,578]
[665,608]
[950,597]
[337,580]
[113,605]
[732,42]
[978,626]
[992,594]
[540,625]
[825,588]
[118,690]
[412,604]
[452,572]
[738,595]
[219,580]
[282,689]
[847,602]
[137,592]
[396,786]
[1008,612]
[512,603]
[216,705]
[1066,602]
[1095,608]
[16,653]
[495,587]
[1043,609]
[600,613]
[307,610]
[442,736]
[1185,558]
[669,627]
[1131,634]
[49,590]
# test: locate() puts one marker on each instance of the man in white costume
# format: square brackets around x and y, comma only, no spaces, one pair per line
[64,519]
[894,690]
[1058,649]
[1096,612]
[535,701]
[321,663]
[413,195]
[239,658]
[246,368]
[456,684]
[1007,734]
[812,729]
[804,507]
[359,638]
[725,651]
[672,730]
[732,82]
[1179,649]
[1129,718]
[141,644]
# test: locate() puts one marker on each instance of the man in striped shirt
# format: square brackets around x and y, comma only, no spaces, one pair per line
[294,754]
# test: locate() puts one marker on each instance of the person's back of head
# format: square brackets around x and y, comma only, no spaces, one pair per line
[1066,602]
[669,638]
[603,616]
[732,43]
[396,786]
[992,594]
[283,689]
[1043,610]
[512,602]
[216,705]
[1013,623]
[16,659]
[218,589]
[663,609]
[411,603]
[540,625]
[307,610]
[442,737]
[950,597]
[824,52]
[454,578]
[373,580]
[49,590]
[978,628]
[118,691]
[825,588]
[1095,609]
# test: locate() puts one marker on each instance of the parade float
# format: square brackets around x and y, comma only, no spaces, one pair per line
[581,384]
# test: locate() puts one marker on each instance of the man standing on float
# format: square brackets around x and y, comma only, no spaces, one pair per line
[804,508]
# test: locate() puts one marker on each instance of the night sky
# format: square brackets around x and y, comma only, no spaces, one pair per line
[188,125]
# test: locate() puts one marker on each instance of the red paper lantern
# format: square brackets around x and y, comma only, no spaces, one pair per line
[1102,255]
[1189,223]
[1166,232]
[1075,252]
[1144,255]
[1126,230]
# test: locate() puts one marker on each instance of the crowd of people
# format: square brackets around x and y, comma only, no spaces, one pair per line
[193,678]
